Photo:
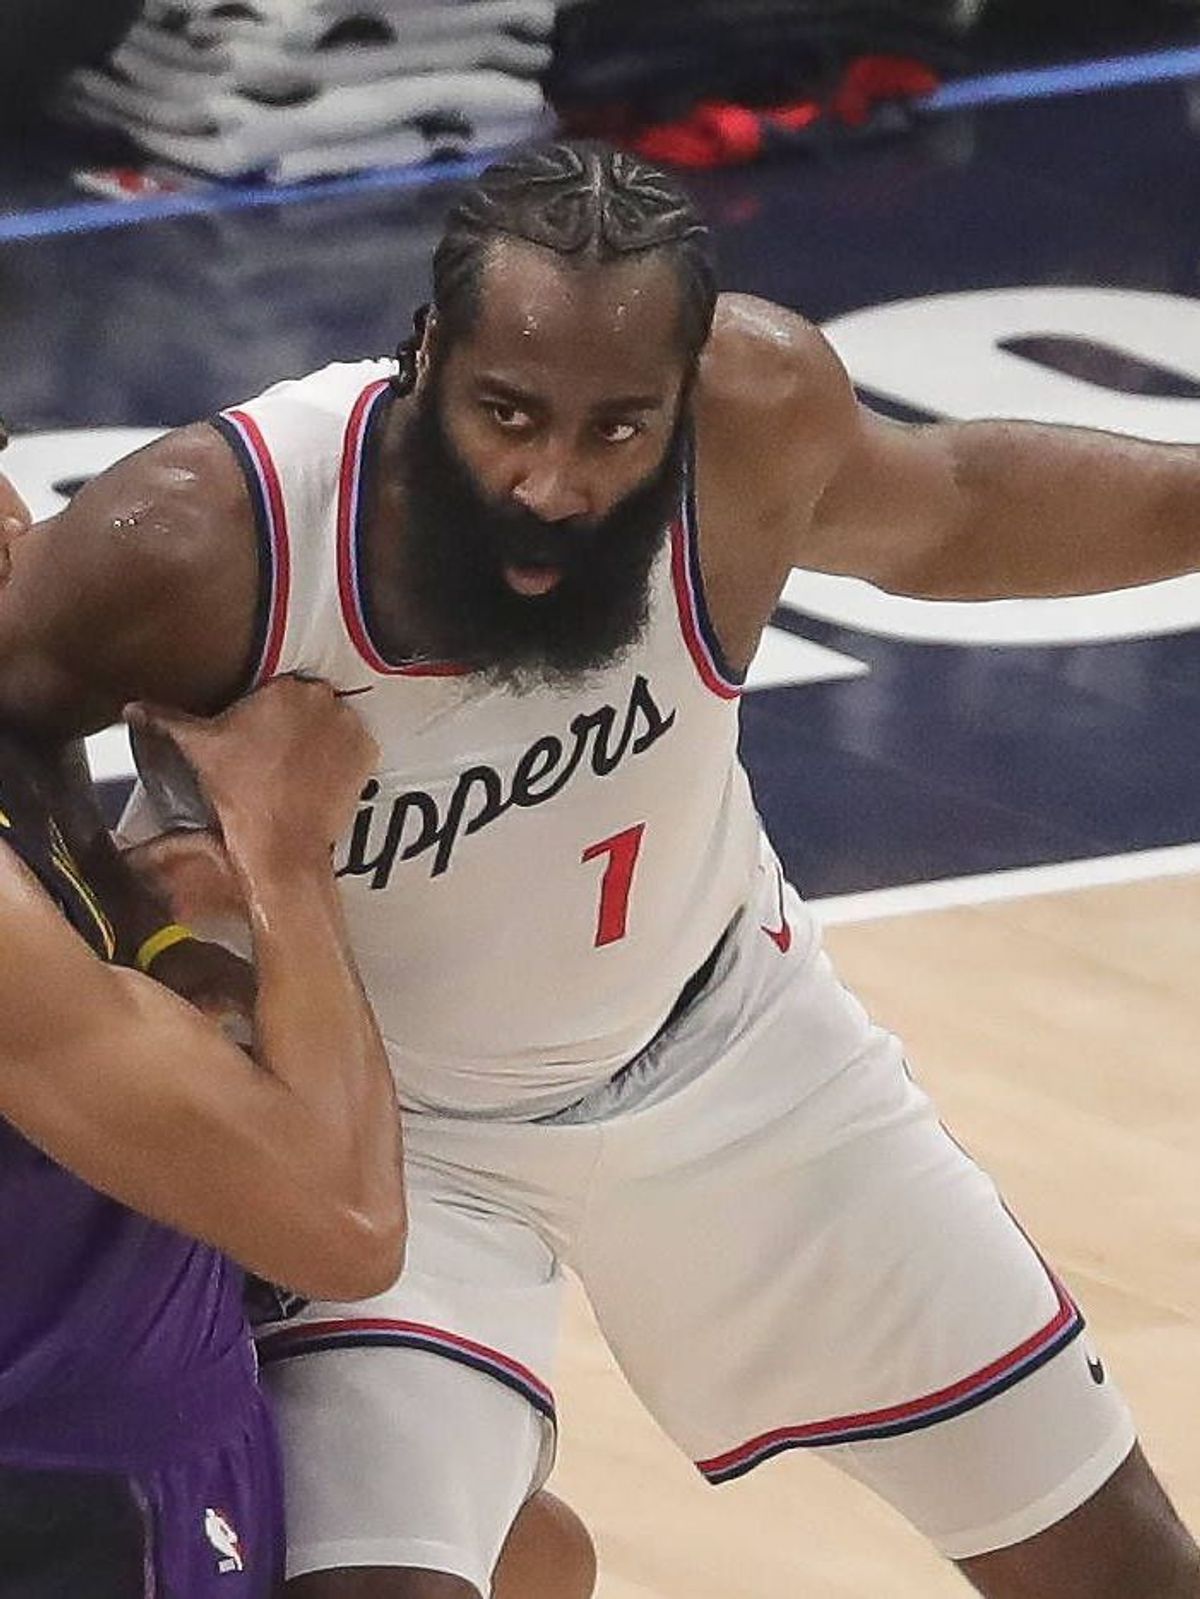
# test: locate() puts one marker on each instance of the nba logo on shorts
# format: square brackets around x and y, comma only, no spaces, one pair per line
[220,1533]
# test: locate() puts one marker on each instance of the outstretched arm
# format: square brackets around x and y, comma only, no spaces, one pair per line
[997,510]
[951,510]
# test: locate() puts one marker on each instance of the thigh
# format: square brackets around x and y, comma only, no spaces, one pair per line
[836,1274]
[416,1424]
[67,1533]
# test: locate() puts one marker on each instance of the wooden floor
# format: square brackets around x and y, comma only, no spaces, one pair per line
[1059,1037]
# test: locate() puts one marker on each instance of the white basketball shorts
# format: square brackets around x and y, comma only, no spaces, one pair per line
[784,1249]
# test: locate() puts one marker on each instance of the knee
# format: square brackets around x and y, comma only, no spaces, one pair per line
[548,1554]
[1142,1550]
[1126,1542]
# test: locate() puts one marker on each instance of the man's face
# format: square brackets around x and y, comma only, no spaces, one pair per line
[543,466]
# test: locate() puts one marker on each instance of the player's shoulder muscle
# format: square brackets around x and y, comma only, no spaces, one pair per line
[144,586]
[768,378]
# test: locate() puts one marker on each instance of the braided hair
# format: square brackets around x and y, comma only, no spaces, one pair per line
[584,201]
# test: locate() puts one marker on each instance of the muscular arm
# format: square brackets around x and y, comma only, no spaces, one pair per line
[291,1166]
[953,510]
[144,587]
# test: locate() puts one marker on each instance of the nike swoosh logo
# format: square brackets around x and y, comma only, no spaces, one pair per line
[1096,1367]
[780,936]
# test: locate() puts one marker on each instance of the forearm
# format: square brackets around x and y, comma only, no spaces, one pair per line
[1049,511]
[987,510]
[314,1030]
[122,1083]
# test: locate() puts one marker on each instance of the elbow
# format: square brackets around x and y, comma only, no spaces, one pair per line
[373,1254]
[359,1254]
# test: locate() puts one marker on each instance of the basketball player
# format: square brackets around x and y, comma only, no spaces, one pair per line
[293,1169]
[137,1455]
[545,546]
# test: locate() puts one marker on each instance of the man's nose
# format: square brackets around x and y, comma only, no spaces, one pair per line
[549,489]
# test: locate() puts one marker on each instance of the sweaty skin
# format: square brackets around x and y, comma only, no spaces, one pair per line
[563,396]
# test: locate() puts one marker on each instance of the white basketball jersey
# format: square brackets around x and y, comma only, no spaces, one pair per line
[531,878]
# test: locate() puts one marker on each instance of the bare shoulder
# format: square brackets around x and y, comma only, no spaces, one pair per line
[762,359]
[145,585]
[185,484]
[775,409]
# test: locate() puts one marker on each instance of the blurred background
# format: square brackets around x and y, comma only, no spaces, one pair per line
[130,96]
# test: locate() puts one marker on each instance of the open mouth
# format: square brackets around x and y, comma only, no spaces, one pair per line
[532,580]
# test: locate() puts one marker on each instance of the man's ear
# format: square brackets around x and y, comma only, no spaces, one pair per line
[427,348]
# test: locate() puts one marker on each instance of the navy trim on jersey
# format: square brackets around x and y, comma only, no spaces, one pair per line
[691,528]
[263,599]
[366,414]
[929,1411]
[364,466]
[377,1332]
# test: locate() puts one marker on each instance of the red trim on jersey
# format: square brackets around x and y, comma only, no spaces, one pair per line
[843,1429]
[273,1344]
[689,621]
[349,580]
[281,558]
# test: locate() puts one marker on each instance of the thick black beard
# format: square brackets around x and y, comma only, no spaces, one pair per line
[457,542]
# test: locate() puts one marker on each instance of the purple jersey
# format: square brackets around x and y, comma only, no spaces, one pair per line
[122,1343]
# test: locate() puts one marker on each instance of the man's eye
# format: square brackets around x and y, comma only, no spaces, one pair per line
[619,432]
[509,417]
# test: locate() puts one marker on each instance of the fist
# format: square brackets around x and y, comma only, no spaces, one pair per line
[191,870]
[287,762]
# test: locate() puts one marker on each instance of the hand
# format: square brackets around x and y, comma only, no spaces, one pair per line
[190,869]
[282,769]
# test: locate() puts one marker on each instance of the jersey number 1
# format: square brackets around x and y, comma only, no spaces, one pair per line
[622,851]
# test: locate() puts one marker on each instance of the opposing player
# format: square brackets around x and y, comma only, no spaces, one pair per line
[109,1455]
[137,1455]
[546,545]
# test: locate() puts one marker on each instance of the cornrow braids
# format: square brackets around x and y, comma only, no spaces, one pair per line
[585,202]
